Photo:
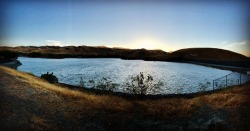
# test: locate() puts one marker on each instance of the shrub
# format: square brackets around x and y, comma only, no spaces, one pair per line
[141,84]
[50,77]
[138,84]
[106,84]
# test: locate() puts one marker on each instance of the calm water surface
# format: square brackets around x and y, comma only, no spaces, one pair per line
[177,77]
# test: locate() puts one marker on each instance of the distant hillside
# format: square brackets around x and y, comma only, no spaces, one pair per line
[206,54]
[201,55]
[210,56]
[88,52]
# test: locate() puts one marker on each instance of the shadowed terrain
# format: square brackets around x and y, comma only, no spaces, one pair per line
[206,54]
[210,56]
[29,102]
[201,55]
[87,52]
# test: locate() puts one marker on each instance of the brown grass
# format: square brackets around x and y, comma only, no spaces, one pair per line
[98,101]
[232,97]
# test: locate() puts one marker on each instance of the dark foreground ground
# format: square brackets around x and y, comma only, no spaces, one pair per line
[29,103]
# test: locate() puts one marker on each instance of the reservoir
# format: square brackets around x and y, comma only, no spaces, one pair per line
[177,78]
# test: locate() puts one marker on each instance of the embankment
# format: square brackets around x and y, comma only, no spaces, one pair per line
[27,103]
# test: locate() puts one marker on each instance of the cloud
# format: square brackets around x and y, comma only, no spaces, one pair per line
[234,45]
[243,43]
[54,43]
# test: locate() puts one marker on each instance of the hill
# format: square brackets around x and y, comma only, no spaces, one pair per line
[29,103]
[200,55]
[210,56]
[87,52]
[206,54]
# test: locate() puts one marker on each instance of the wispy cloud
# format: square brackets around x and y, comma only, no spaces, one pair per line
[243,43]
[228,45]
[54,43]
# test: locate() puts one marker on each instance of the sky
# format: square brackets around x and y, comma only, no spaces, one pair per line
[164,25]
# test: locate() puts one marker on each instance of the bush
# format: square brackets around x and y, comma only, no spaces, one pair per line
[49,77]
[106,84]
[140,84]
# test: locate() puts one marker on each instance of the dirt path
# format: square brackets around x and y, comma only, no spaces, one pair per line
[24,106]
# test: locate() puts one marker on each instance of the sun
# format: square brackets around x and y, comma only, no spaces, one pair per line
[147,43]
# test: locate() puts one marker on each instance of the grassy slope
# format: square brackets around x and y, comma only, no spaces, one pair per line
[28,102]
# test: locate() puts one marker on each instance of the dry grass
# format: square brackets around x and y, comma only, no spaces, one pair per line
[170,107]
[229,98]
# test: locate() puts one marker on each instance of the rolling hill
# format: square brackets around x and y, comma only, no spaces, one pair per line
[206,54]
[201,55]
[87,52]
[210,56]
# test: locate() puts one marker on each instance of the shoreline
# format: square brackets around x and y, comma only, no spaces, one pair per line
[223,67]
[148,96]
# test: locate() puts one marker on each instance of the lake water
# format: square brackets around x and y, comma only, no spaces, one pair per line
[176,77]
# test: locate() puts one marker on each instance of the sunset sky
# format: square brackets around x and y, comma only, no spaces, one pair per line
[153,25]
